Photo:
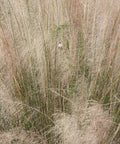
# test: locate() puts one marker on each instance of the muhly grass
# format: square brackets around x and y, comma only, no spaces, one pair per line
[85,125]
[59,71]
[19,135]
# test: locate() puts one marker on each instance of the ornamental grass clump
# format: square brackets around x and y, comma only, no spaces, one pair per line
[55,58]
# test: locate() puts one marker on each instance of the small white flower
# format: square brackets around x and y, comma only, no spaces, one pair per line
[60,45]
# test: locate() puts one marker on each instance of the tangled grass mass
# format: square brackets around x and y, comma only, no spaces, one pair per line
[59,71]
